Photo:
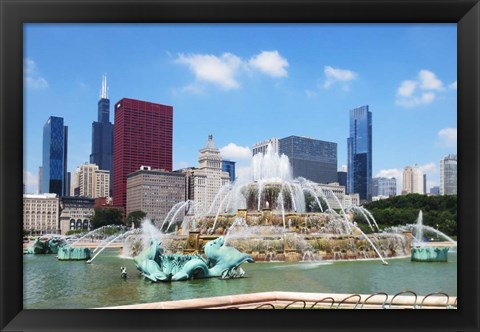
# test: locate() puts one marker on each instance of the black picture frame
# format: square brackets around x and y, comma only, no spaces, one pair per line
[14,13]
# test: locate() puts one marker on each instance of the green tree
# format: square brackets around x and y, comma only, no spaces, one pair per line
[439,212]
[105,217]
[136,218]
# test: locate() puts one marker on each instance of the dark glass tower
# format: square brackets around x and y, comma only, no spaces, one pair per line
[102,134]
[310,158]
[229,166]
[54,167]
[359,176]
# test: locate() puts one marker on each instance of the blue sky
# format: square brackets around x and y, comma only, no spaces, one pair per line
[246,83]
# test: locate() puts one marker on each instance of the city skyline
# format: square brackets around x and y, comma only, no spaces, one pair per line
[289,80]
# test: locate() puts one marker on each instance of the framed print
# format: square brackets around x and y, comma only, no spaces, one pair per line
[163,147]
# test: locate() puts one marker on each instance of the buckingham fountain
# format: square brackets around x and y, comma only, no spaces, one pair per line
[290,227]
[271,216]
[267,216]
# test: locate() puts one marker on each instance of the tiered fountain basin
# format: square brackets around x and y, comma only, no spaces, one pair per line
[261,234]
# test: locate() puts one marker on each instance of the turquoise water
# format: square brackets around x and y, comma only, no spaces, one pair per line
[53,284]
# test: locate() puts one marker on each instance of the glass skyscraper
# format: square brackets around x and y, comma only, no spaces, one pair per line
[102,134]
[54,167]
[229,166]
[359,179]
[310,158]
[448,175]
[382,186]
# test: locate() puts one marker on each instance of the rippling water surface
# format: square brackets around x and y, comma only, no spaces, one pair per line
[53,284]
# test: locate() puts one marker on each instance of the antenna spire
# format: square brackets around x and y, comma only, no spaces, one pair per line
[104,94]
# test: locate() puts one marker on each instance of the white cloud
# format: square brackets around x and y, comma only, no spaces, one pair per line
[429,168]
[29,66]
[270,63]
[235,152]
[453,85]
[223,71]
[448,137]
[31,77]
[212,69]
[30,181]
[389,173]
[429,81]
[407,88]
[419,92]
[338,75]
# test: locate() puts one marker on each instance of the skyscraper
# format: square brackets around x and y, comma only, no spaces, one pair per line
[204,182]
[143,134]
[54,167]
[90,181]
[359,178]
[261,147]
[342,179]
[310,158]
[102,134]
[412,180]
[229,167]
[448,175]
[382,186]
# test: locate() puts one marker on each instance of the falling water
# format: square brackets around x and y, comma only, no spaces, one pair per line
[184,205]
[419,233]
[218,211]
[282,205]
[173,210]
[356,208]
[133,231]
[93,232]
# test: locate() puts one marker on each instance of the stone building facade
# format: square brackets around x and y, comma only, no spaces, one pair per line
[154,192]
[90,181]
[76,213]
[204,183]
[41,214]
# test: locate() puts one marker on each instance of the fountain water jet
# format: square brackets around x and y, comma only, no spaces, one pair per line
[252,213]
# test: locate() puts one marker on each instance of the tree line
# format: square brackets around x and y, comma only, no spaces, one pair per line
[114,216]
[439,212]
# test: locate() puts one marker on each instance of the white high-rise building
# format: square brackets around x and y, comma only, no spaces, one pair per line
[203,183]
[448,175]
[413,180]
[90,181]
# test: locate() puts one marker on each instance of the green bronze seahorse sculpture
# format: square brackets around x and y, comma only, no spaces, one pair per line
[222,261]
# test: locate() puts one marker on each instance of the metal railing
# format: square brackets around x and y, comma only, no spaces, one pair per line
[406,299]
[329,302]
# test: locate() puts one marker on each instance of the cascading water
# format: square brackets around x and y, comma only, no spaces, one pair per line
[254,211]
[116,238]
[419,233]
[93,232]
